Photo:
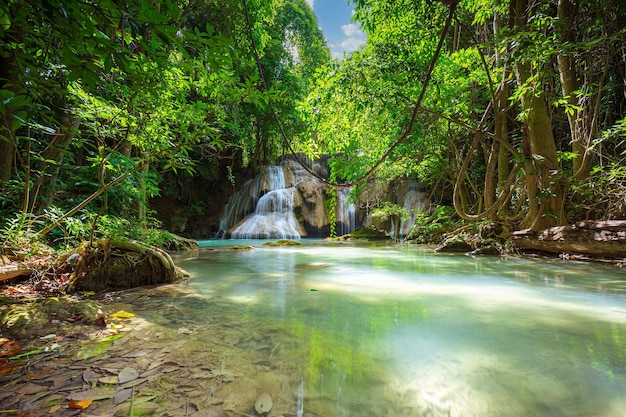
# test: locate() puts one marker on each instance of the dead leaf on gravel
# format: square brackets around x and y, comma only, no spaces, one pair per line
[29,388]
[95,394]
[122,395]
[89,376]
[9,348]
[135,354]
[111,379]
[127,374]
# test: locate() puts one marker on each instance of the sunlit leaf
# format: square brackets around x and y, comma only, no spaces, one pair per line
[80,405]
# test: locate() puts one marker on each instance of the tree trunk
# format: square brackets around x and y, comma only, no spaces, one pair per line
[7,133]
[7,154]
[544,194]
[502,133]
[570,84]
[142,201]
[602,238]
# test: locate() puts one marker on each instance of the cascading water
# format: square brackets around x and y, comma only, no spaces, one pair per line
[266,206]
[414,202]
[346,213]
[273,217]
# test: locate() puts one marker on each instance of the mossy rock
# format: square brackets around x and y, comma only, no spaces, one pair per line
[241,247]
[369,233]
[456,243]
[121,265]
[36,318]
[22,319]
[283,242]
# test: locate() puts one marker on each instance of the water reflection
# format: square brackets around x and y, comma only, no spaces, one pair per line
[402,331]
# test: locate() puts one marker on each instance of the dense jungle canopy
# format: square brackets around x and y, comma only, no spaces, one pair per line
[519,120]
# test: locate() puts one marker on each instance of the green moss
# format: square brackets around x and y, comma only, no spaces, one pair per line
[283,242]
[369,233]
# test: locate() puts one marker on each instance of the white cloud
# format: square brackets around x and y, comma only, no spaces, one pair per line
[310,3]
[351,30]
[352,44]
[353,40]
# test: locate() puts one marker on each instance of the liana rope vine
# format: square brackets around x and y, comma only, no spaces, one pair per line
[451,9]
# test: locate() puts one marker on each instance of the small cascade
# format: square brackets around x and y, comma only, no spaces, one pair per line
[346,213]
[300,404]
[240,205]
[273,218]
[414,202]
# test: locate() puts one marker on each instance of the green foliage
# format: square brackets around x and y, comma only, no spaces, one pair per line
[388,210]
[603,196]
[18,236]
[362,105]
[78,229]
[430,226]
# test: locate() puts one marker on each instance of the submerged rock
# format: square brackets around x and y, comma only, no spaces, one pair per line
[38,317]
[283,242]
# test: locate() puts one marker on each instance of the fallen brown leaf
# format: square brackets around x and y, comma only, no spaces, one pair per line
[79,405]
[9,348]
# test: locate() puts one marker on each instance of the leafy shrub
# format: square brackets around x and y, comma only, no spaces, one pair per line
[429,227]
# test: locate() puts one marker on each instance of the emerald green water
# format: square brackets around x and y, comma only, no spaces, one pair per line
[386,330]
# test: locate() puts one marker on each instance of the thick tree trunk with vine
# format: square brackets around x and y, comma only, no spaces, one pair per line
[543,188]
[501,105]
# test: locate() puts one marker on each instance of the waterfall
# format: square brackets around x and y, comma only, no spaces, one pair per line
[414,202]
[346,213]
[270,204]
[240,205]
[272,219]
[266,206]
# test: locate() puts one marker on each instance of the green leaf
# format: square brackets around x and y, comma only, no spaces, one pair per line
[5,20]
[25,354]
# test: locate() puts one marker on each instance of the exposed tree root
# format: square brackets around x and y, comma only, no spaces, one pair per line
[119,265]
